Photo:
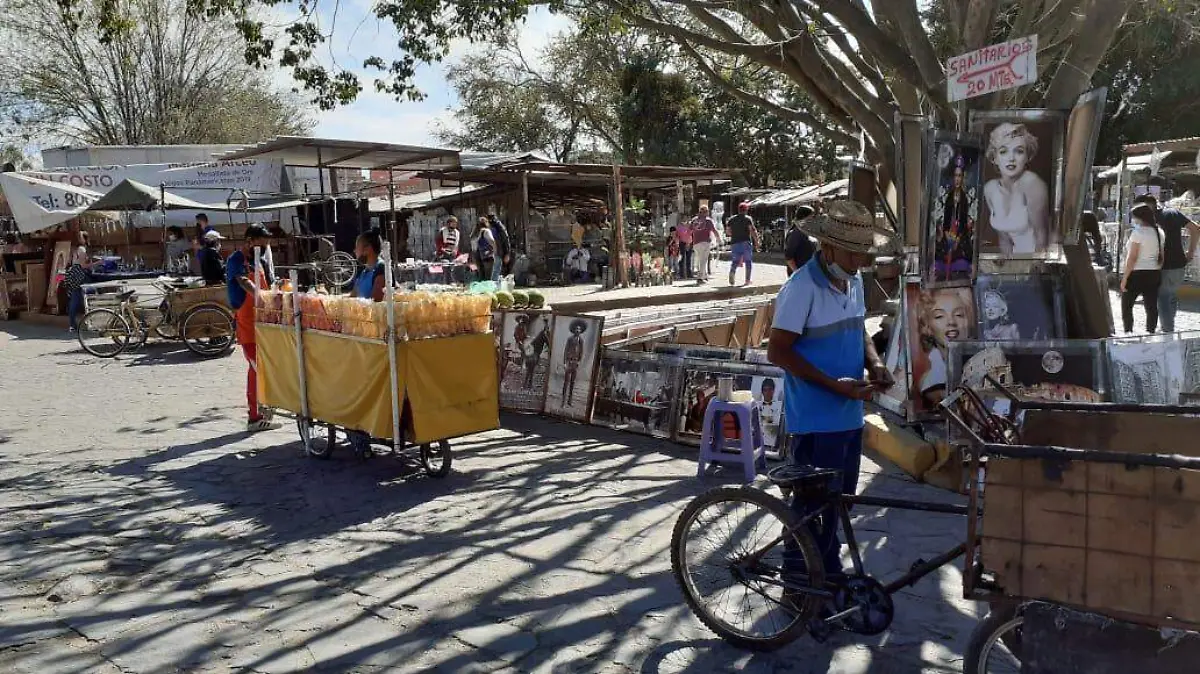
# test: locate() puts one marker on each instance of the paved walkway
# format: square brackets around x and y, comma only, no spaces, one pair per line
[591,298]
[143,532]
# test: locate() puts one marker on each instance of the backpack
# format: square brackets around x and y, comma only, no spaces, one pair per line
[503,243]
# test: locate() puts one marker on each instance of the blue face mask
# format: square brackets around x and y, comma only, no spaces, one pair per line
[839,274]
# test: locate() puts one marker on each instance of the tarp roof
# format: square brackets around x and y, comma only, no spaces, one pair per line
[802,195]
[420,199]
[131,195]
[350,154]
[566,176]
[1133,164]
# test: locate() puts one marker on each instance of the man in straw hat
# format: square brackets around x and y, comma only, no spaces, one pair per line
[819,339]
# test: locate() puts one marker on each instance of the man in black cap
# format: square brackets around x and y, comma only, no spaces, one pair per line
[797,247]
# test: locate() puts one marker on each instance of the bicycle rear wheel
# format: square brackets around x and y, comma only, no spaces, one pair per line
[995,644]
[727,554]
[104,333]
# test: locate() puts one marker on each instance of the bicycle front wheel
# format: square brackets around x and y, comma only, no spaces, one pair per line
[995,644]
[728,553]
[104,333]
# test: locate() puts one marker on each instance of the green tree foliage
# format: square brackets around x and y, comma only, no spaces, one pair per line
[1153,79]
[165,77]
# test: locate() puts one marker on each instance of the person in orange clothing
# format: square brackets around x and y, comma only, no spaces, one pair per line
[242,290]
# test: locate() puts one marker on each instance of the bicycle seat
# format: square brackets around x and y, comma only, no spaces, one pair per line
[126,293]
[804,477]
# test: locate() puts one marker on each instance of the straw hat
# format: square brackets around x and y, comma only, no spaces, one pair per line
[848,225]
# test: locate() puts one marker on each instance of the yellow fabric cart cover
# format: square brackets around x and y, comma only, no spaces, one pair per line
[278,371]
[349,384]
[452,386]
[450,382]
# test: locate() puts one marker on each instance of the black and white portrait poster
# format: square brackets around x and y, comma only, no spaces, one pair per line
[524,360]
[1022,151]
[573,359]
[954,194]
[1019,307]
[637,392]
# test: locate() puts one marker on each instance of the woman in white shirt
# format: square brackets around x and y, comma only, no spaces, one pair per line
[1143,268]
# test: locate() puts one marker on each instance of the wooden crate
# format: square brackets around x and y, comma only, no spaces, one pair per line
[1118,539]
[183,300]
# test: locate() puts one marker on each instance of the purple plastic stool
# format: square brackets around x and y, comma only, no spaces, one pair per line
[747,449]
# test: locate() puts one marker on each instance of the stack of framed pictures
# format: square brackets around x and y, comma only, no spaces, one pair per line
[992,229]
[548,362]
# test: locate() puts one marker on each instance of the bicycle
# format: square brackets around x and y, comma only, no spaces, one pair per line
[785,588]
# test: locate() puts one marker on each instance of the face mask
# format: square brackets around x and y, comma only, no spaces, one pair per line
[362,259]
[839,274]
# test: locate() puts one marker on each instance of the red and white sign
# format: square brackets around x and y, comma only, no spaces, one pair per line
[1002,66]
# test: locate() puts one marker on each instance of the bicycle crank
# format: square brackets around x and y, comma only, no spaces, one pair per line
[862,606]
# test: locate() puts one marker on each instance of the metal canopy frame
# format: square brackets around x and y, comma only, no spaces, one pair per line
[335,153]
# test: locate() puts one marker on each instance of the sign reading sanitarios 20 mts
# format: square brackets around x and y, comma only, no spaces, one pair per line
[1007,65]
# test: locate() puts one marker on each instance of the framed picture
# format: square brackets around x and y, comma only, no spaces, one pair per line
[574,357]
[1022,182]
[58,265]
[1154,369]
[1020,307]
[910,164]
[895,399]
[768,389]
[933,318]
[698,388]
[1083,131]
[953,192]
[637,392]
[524,360]
[1056,370]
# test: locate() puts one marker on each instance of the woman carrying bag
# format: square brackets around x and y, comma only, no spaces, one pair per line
[77,274]
[483,248]
[1143,268]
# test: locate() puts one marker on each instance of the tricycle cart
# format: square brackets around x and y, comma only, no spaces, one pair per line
[388,379]
[1090,511]
[117,320]
[1105,531]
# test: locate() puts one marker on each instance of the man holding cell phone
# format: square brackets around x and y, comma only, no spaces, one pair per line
[830,364]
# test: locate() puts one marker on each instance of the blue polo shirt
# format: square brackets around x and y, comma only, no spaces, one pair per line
[833,338]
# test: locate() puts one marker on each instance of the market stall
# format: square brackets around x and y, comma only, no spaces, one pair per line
[418,368]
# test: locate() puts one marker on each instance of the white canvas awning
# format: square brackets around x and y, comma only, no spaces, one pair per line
[1135,164]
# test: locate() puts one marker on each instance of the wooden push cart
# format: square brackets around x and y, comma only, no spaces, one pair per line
[393,391]
[1091,510]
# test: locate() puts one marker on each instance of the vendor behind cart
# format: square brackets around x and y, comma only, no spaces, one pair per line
[368,282]
[243,286]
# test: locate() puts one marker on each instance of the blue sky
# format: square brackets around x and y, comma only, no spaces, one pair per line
[378,117]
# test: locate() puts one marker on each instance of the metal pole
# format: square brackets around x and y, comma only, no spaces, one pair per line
[395,239]
[388,296]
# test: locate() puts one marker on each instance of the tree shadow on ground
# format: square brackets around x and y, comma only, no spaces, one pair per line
[544,551]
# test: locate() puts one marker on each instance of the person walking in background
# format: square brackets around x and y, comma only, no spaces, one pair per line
[684,233]
[242,286]
[1142,273]
[483,249]
[74,279]
[1171,223]
[743,239]
[673,251]
[503,247]
[704,234]
[798,249]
